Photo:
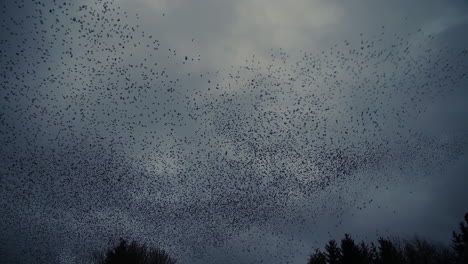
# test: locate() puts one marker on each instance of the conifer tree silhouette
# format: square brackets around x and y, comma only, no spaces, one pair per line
[333,252]
[134,253]
[389,252]
[350,253]
[460,242]
[395,251]
[318,258]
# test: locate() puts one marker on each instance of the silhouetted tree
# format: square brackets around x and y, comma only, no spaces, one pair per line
[350,253]
[333,252]
[460,242]
[414,251]
[420,251]
[134,253]
[317,258]
[368,253]
[389,252]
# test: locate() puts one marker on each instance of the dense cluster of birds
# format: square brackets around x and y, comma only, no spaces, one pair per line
[105,130]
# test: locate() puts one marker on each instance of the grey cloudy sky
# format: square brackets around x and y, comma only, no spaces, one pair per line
[95,147]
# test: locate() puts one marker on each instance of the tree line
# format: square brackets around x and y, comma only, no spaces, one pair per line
[346,251]
[395,251]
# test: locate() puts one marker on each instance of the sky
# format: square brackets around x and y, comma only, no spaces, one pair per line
[229,131]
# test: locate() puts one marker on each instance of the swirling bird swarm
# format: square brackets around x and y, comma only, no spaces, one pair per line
[105,131]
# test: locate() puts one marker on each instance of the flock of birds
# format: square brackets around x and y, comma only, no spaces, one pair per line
[105,131]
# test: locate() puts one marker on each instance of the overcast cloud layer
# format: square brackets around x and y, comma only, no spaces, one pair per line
[229,131]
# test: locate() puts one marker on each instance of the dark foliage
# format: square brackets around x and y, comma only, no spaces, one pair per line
[348,251]
[393,251]
[389,252]
[333,252]
[318,258]
[419,251]
[133,253]
[460,242]
[351,253]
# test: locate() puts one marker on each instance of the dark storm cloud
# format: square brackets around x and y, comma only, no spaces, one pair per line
[156,127]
